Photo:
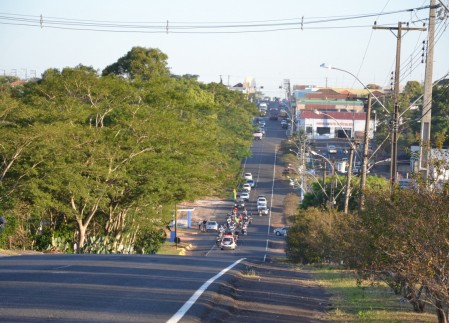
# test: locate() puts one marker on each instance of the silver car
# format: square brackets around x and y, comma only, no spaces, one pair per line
[281,231]
[212,226]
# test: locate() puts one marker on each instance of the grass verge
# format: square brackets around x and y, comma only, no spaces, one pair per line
[364,303]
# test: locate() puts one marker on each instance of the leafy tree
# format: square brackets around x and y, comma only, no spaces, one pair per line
[404,241]
[140,64]
[318,199]
[310,237]
[106,154]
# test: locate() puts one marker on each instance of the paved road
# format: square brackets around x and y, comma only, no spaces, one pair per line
[100,288]
[260,243]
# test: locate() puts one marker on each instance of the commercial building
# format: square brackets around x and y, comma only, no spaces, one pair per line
[332,124]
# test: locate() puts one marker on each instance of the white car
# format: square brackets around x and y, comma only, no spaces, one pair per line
[228,242]
[212,226]
[260,204]
[261,201]
[332,149]
[248,176]
[244,196]
[247,187]
[281,231]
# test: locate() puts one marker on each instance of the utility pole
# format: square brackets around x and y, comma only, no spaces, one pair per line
[365,160]
[425,132]
[349,179]
[395,117]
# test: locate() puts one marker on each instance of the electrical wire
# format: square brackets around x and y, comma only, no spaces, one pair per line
[187,27]
[417,62]
[368,43]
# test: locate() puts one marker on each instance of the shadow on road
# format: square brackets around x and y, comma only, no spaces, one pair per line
[273,292]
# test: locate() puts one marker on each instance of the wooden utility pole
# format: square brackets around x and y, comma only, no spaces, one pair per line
[425,132]
[395,117]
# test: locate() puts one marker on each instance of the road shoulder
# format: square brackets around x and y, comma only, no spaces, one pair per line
[269,292]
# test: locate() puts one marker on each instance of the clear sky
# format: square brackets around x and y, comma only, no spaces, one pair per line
[268,43]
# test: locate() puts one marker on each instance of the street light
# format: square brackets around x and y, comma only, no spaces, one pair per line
[294,181]
[349,174]
[393,172]
[325,170]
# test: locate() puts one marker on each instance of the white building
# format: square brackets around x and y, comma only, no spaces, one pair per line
[330,125]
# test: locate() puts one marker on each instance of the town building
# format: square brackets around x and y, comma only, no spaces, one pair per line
[332,124]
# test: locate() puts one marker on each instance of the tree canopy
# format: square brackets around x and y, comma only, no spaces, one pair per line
[100,160]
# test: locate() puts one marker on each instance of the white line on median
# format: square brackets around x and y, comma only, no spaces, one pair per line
[191,301]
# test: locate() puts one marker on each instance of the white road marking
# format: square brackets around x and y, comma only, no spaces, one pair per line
[271,203]
[191,301]
[210,250]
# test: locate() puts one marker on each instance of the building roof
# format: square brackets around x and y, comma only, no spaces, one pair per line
[308,114]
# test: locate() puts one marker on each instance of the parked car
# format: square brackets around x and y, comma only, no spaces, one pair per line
[281,231]
[251,183]
[228,242]
[245,195]
[212,226]
[248,176]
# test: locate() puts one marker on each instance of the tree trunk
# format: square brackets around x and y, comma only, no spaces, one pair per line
[83,222]
[442,312]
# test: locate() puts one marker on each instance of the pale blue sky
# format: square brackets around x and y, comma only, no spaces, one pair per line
[270,56]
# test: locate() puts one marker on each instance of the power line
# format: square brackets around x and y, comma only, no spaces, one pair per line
[188,27]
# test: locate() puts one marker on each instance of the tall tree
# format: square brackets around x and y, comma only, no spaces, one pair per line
[140,64]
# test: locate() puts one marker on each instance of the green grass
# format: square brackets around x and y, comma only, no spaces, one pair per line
[365,303]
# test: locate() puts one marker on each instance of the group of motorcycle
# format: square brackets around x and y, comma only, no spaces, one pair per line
[236,223]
